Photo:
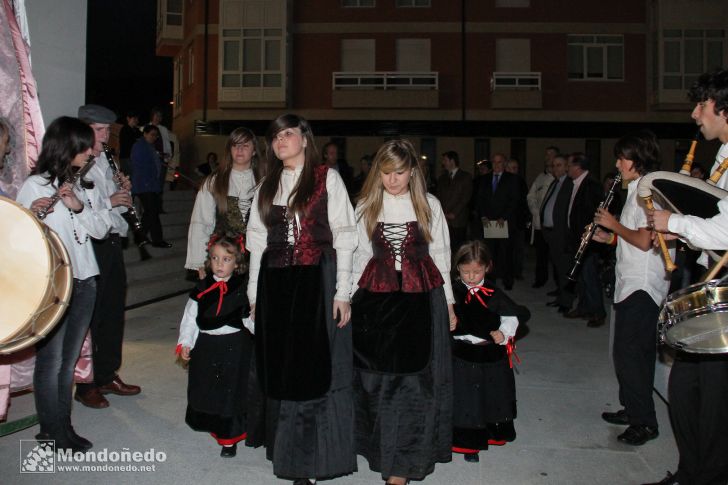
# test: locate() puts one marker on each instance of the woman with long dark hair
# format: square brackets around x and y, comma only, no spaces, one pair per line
[223,202]
[66,148]
[301,237]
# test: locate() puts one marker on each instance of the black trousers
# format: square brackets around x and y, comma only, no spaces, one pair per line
[501,251]
[152,206]
[698,392]
[107,323]
[634,353]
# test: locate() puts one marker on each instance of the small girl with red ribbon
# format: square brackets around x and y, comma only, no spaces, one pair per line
[483,348]
[216,338]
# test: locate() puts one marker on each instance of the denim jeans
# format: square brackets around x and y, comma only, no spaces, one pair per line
[55,361]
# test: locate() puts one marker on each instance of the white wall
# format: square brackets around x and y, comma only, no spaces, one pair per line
[58,54]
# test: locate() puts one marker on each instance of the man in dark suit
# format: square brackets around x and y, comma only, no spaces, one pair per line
[498,202]
[453,191]
[330,153]
[554,224]
[585,198]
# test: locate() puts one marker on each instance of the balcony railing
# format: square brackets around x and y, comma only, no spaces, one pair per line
[385,80]
[515,80]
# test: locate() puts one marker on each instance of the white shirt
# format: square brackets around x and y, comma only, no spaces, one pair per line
[703,233]
[202,222]
[341,223]
[398,209]
[636,269]
[189,331]
[508,326]
[536,195]
[89,222]
[722,155]
[103,178]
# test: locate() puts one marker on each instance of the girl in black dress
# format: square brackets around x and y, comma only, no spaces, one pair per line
[484,386]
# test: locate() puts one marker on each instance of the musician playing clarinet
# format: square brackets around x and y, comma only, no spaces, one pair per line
[698,386]
[107,324]
[642,283]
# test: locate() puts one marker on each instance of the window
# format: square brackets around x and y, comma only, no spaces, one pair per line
[596,57]
[357,3]
[252,58]
[174,12]
[413,55]
[413,3]
[357,55]
[688,53]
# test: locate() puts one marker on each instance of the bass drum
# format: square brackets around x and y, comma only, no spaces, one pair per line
[36,278]
[695,319]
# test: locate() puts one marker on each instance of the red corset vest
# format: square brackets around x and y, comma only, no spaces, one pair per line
[314,236]
[419,273]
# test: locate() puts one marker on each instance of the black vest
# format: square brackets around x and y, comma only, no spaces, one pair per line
[234,306]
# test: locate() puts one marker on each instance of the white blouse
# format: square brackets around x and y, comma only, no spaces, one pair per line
[341,223]
[74,230]
[398,209]
[202,223]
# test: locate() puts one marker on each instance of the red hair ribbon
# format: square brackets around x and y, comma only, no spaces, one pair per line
[474,291]
[511,350]
[222,286]
[241,242]
[212,241]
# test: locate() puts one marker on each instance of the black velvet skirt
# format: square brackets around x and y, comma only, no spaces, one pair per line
[311,434]
[217,384]
[484,403]
[404,420]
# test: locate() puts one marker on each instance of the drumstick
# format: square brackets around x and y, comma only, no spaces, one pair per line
[716,267]
[669,265]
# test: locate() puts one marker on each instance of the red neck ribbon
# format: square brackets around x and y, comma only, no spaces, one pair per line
[474,291]
[222,286]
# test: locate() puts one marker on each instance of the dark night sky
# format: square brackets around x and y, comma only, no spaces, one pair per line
[122,70]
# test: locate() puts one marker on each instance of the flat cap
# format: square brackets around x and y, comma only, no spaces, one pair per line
[93,113]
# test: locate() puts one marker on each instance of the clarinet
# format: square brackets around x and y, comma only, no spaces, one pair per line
[130,215]
[589,233]
[42,213]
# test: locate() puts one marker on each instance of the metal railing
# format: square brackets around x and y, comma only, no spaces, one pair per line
[385,80]
[515,80]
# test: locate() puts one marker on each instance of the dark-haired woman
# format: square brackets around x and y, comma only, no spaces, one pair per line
[66,147]
[223,202]
[301,237]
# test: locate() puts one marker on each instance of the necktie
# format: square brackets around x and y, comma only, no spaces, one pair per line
[495,181]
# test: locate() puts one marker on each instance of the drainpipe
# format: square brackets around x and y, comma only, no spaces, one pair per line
[205,61]
[462,63]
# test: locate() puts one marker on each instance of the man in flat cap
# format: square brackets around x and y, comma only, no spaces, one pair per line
[107,324]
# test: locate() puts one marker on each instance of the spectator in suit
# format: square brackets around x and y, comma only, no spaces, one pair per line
[498,202]
[586,196]
[453,189]
[482,168]
[535,198]
[523,219]
[365,164]
[555,227]
[330,153]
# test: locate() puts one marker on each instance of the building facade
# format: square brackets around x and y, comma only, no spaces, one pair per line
[475,76]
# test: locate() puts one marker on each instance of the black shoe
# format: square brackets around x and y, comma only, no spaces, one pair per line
[620,417]
[594,322]
[162,244]
[538,284]
[472,457]
[553,292]
[229,451]
[563,309]
[77,440]
[552,303]
[638,434]
[302,481]
[669,479]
